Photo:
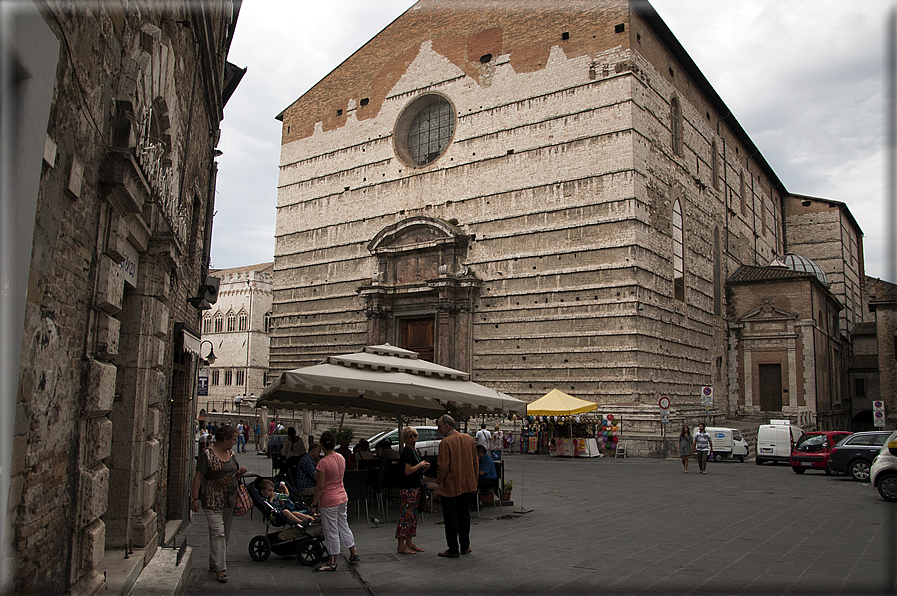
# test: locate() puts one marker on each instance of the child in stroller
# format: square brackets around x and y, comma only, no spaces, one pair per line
[292,539]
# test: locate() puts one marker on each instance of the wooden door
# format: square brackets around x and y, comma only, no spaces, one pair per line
[419,335]
[771,387]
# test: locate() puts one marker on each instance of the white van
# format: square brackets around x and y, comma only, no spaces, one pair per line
[775,441]
[727,443]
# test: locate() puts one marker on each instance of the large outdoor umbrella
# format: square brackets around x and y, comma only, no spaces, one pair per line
[385,380]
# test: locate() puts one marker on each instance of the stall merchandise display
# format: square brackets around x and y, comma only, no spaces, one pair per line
[580,435]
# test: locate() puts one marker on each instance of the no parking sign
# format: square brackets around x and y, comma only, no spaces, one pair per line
[878,413]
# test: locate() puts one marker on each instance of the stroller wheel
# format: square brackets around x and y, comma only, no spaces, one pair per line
[260,548]
[310,552]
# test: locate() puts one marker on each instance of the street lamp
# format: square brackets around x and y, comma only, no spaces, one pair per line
[211,357]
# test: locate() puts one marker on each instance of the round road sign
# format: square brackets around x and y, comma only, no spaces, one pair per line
[664,403]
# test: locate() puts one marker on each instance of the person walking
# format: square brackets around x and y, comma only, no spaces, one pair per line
[413,467]
[215,487]
[484,437]
[457,478]
[703,446]
[331,500]
[241,437]
[685,441]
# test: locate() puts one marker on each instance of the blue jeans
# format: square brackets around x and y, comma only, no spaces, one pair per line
[241,442]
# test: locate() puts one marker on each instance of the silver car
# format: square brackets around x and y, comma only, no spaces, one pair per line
[427,440]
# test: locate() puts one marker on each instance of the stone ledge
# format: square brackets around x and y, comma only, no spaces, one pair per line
[161,577]
[120,573]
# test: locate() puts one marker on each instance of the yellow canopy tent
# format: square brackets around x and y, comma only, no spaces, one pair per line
[558,403]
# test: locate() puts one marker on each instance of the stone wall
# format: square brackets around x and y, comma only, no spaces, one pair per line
[105,383]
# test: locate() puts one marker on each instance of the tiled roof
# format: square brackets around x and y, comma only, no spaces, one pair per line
[863,329]
[863,362]
[747,273]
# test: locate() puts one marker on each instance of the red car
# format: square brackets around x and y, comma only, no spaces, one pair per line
[813,448]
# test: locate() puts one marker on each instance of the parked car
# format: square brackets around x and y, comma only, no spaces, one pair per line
[812,450]
[854,454]
[428,438]
[883,471]
[775,441]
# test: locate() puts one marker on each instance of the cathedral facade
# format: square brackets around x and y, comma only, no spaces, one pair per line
[548,195]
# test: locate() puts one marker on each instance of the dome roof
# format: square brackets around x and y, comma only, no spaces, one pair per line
[799,263]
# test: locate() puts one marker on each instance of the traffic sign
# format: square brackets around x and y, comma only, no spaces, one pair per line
[664,416]
[707,396]
[878,413]
[664,403]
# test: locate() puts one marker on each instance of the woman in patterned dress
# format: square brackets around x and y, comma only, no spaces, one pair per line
[215,486]
[413,467]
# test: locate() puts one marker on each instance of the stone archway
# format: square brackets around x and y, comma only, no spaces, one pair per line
[421,276]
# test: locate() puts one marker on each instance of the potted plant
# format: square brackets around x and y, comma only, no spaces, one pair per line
[506,490]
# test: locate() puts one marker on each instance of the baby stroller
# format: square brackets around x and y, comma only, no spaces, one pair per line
[282,537]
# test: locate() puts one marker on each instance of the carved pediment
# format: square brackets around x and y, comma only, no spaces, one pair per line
[768,312]
[416,233]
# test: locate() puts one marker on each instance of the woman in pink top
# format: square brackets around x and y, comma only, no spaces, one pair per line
[331,500]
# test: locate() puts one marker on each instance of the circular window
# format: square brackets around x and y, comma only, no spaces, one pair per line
[424,130]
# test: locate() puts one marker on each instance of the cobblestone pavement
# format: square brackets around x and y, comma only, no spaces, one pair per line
[635,526]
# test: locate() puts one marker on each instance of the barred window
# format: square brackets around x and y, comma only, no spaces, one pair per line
[219,323]
[231,322]
[243,324]
[215,377]
[228,377]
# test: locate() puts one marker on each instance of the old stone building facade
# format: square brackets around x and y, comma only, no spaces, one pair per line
[547,195]
[237,329]
[118,251]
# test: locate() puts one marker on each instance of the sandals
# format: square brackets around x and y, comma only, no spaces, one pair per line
[407,551]
[354,559]
[416,548]
[222,577]
[326,567]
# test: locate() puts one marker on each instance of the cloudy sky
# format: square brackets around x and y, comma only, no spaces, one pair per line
[805,78]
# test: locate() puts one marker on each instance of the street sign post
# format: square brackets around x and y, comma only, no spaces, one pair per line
[878,413]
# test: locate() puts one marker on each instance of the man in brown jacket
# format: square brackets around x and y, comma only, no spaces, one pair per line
[457,478]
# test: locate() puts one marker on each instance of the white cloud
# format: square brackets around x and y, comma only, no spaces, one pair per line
[803,77]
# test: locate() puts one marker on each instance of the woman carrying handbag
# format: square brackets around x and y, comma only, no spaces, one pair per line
[215,486]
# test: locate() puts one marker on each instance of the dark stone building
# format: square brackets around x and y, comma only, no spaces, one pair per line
[117,107]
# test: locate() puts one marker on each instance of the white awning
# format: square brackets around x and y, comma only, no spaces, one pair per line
[191,343]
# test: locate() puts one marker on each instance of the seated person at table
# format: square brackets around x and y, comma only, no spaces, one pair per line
[305,473]
[385,451]
[363,450]
[488,477]
[284,507]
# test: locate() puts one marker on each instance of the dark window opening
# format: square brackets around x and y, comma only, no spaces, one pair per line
[565,35]
[365,101]
[339,112]
[485,58]
[620,28]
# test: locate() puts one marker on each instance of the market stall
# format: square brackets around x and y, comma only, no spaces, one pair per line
[567,426]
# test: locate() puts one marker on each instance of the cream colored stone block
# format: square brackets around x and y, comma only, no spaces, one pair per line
[94,494]
[152,454]
[160,320]
[99,440]
[110,285]
[100,387]
[148,493]
[93,540]
[108,330]
[118,237]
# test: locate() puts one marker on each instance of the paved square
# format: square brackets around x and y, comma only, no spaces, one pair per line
[611,527]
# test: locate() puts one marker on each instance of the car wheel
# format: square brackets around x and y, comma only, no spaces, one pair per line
[859,470]
[798,470]
[828,472]
[759,461]
[717,457]
[887,488]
